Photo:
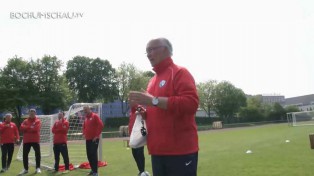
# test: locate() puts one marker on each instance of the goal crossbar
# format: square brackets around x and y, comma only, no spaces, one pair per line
[301,118]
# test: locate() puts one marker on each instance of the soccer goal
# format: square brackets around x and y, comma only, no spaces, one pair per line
[300,118]
[76,142]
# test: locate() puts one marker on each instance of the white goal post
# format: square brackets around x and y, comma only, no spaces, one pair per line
[76,142]
[301,118]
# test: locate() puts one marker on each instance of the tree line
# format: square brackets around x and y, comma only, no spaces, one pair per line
[42,82]
[232,105]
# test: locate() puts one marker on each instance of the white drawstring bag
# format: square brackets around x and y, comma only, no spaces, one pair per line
[139,133]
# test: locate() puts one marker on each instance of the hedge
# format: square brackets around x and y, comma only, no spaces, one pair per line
[122,121]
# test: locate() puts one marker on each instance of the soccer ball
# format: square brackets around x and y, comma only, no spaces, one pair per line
[145,173]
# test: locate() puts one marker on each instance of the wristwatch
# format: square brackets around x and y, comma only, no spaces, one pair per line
[155,101]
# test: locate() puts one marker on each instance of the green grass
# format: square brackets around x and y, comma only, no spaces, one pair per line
[223,153]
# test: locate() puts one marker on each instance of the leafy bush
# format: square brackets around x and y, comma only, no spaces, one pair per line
[123,121]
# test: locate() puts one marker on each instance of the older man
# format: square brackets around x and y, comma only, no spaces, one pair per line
[92,129]
[31,138]
[60,131]
[171,101]
[9,135]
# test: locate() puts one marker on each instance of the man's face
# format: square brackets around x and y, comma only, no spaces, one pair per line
[8,118]
[60,115]
[32,113]
[86,110]
[156,52]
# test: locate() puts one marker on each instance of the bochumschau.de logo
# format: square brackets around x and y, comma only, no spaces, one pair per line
[46,15]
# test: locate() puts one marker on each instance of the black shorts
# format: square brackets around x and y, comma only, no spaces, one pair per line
[177,165]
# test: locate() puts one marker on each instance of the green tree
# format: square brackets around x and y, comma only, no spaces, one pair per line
[49,84]
[292,108]
[227,100]
[205,93]
[253,111]
[91,79]
[148,75]
[69,96]
[141,80]
[33,83]
[16,87]
[130,78]
[277,112]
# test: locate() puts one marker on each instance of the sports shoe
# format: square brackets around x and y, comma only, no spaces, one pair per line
[95,174]
[23,172]
[2,170]
[145,173]
[38,171]
[65,172]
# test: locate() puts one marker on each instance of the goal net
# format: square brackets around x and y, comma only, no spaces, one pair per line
[300,118]
[76,142]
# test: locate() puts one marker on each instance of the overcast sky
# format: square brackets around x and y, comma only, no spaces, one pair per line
[260,46]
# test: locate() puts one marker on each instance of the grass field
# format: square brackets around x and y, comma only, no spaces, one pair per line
[223,153]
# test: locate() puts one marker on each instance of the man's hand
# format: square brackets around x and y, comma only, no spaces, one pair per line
[94,139]
[140,98]
[142,111]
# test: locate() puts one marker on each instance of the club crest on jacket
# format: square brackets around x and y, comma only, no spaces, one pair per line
[162,83]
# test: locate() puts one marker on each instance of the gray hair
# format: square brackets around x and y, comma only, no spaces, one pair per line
[87,106]
[32,110]
[8,114]
[167,44]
